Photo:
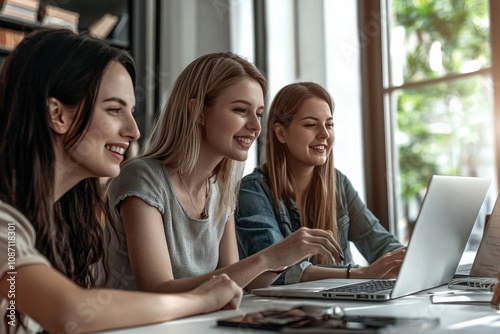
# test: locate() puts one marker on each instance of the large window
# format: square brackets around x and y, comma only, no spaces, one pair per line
[428,93]
[438,102]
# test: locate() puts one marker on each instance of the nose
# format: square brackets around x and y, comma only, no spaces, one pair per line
[130,128]
[254,124]
[324,133]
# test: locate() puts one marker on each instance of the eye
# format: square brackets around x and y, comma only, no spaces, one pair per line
[240,110]
[260,115]
[115,110]
[330,125]
[309,125]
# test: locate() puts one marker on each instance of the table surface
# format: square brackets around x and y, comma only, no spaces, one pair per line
[454,318]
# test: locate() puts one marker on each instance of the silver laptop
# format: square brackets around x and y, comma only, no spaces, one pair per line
[443,226]
[487,259]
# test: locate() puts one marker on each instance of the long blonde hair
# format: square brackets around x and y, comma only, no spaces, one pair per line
[178,133]
[320,197]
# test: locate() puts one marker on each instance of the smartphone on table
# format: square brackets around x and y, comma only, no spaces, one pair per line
[320,319]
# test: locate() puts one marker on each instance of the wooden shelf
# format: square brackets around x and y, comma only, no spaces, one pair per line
[17,24]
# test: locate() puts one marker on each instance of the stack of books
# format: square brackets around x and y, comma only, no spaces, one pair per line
[55,16]
[25,10]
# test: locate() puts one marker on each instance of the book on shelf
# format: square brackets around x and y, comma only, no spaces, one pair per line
[102,27]
[55,16]
[25,10]
[29,4]
[10,38]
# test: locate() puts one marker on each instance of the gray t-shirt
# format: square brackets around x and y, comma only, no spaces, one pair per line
[17,249]
[193,244]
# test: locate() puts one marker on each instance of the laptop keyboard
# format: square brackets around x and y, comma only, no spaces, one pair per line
[368,286]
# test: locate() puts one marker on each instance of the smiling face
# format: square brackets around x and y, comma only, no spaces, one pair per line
[111,128]
[232,123]
[309,136]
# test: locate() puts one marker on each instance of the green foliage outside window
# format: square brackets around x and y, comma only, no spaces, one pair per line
[443,124]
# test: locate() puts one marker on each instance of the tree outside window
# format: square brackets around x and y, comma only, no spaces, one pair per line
[439,86]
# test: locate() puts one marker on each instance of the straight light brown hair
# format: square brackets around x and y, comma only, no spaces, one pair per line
[320,198]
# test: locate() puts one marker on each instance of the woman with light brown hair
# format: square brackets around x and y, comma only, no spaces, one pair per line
[298,187]
[173,205]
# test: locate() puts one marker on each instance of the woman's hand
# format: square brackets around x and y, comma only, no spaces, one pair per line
[300,245]
[387,266]
[496,294]
[219,292]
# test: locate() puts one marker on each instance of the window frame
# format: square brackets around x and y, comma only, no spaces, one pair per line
[379,171]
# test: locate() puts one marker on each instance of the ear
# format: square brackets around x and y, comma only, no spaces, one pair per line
[193,106]
[60,116]
[279,132]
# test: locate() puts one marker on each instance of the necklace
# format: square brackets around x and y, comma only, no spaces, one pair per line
[204,213]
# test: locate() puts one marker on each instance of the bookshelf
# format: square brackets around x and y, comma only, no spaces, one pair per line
[128,33]
[92,10]
[88,11]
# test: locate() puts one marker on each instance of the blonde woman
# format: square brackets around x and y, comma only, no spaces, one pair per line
[173,205]
[299,187]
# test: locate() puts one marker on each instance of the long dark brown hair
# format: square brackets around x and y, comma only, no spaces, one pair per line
[61,64]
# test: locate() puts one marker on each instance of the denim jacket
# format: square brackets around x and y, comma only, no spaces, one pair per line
[261,222]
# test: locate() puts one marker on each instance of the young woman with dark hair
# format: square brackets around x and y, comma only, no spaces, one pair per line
[66,119]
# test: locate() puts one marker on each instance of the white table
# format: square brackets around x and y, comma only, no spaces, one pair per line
[454,319]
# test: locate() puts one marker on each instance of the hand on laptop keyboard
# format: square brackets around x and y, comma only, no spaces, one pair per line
[386,266]
[305,242]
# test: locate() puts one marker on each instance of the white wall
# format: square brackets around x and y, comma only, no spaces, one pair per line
[189,29]
[241,42]
[343,72]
